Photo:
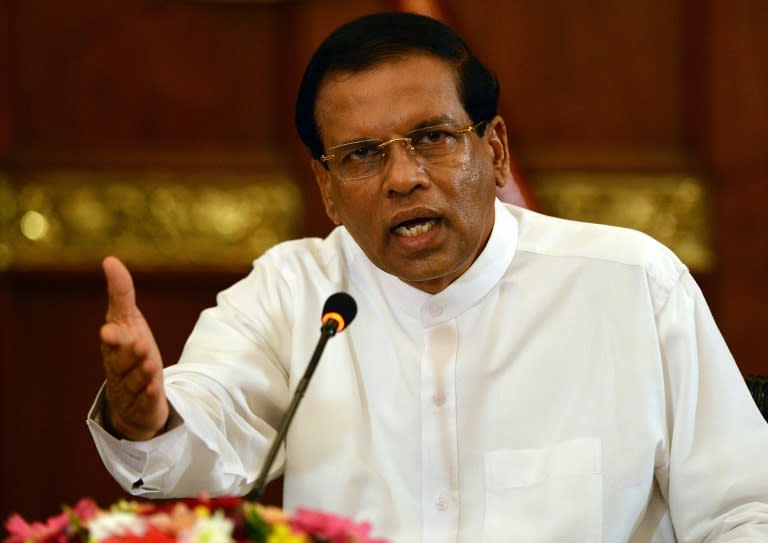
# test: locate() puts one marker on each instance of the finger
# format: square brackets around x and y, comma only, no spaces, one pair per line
[114,335]
[122,297]
[118,361]
[119,349]
[137,380]
[125,387]
[143,348]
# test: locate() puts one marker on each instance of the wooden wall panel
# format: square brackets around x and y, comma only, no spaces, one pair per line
[584,87]
[6,56]
[738,83]
[736,139]
[742,285]
[51,370]
[98,76]
[53,359]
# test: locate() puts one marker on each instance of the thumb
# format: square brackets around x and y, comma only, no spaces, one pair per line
[122,297]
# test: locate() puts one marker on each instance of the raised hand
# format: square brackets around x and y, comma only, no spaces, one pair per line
[136,406]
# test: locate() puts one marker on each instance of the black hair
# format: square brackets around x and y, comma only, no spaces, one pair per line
[375,39]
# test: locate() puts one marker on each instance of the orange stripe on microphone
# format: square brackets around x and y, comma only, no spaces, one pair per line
[338,318]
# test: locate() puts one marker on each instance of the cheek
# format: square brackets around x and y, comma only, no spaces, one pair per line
[355,208]
[474,185]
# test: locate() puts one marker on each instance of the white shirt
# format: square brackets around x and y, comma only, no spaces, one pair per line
[571,386]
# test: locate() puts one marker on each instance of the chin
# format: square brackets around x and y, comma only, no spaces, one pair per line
[430,283]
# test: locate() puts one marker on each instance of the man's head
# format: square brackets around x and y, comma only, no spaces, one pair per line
[384,37]
[408,152]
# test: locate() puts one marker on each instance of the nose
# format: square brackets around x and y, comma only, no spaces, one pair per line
[404,171]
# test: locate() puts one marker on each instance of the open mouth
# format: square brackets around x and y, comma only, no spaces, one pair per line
[415,227]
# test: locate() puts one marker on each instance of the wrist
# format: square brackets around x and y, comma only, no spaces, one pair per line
[120,430]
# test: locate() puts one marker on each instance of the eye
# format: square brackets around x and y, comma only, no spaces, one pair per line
[431,137]
[360,152]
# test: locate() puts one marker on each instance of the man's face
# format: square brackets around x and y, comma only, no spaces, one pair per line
[425,224]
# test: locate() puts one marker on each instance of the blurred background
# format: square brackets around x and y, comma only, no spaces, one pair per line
[162,131]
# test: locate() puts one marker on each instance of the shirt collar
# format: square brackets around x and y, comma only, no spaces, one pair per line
[466,291]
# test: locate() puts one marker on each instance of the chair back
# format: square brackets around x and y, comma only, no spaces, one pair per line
[758,386]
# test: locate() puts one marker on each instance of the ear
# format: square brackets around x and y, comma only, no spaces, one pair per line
[497,139]
[323,178]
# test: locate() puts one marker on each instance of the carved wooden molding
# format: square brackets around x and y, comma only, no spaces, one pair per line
[72,219]
[674,208]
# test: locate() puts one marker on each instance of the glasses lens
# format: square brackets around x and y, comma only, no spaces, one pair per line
[437,143]
[359,159]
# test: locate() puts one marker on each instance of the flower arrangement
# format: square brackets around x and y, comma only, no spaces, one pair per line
[199,520]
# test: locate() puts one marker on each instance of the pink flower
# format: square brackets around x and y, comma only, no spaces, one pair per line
[332,528]
[54,530]
[85,509]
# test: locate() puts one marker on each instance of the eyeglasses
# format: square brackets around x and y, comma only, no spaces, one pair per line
[438,144]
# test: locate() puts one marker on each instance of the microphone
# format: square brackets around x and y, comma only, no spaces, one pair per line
[338,312]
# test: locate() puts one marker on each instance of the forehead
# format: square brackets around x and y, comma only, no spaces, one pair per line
[390,98]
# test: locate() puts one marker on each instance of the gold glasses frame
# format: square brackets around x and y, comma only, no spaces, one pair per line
[381,146]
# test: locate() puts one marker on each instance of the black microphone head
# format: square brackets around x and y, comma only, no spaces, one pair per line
[340,307]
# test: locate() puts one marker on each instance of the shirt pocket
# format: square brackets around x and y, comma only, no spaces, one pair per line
[551,494]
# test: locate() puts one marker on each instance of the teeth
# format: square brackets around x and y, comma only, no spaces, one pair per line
[415,229]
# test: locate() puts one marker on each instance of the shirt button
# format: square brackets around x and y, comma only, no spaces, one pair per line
[438,398]
[441,503]
[435,310]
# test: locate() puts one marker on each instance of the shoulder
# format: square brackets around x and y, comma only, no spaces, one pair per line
[596,245]
[286,277]
[306,255]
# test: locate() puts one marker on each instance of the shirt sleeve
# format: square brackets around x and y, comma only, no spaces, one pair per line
[227,395]
[714,475]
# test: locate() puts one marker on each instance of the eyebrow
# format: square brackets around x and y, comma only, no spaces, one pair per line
[432,121]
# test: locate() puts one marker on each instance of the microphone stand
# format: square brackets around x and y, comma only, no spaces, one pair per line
[327,331]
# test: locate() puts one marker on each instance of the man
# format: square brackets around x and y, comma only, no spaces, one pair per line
[509,377]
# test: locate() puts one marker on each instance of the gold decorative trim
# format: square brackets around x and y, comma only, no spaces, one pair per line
[673,208]
[72,219]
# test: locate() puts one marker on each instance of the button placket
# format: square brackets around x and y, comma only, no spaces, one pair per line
[439,443]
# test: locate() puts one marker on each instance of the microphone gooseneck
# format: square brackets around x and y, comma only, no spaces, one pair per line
[338,312]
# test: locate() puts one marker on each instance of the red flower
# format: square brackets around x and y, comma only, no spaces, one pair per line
[153,535]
